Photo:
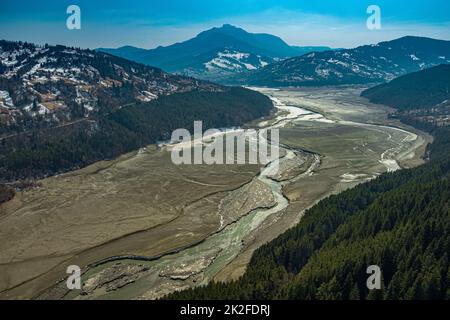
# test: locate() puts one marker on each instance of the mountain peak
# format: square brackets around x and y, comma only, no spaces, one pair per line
[215,53]
[229,26]
[227,29]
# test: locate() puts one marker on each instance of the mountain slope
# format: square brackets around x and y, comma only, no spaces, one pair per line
[365,64]
[59,81]
[215,53]
[419,90]
[63,108]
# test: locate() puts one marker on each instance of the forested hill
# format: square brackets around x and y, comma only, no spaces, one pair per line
[64,108]
[47,151]
[400,222]
[419,90]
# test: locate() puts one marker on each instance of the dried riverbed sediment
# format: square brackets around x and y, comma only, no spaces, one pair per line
[141,227]
[253,213]
[242,211]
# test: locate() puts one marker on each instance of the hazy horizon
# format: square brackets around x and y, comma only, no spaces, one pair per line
[149,24]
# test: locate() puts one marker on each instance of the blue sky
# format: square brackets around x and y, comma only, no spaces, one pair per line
[147,24]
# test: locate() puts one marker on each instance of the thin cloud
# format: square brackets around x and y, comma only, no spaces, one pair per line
[296,28]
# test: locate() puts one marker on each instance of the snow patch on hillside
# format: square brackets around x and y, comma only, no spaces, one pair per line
[235,61]
[5,100]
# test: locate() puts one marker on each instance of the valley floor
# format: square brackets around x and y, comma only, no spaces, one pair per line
[142,227]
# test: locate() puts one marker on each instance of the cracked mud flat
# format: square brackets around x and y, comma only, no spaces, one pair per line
[332,140]
[139,204]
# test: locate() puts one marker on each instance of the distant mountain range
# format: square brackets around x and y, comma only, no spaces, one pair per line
[429,88]
[216,53]
[366,64]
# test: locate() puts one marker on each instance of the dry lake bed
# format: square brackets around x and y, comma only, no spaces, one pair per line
[141,227]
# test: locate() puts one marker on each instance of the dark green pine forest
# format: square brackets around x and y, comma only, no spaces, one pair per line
[110,133]
[419,90]
[400,222]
